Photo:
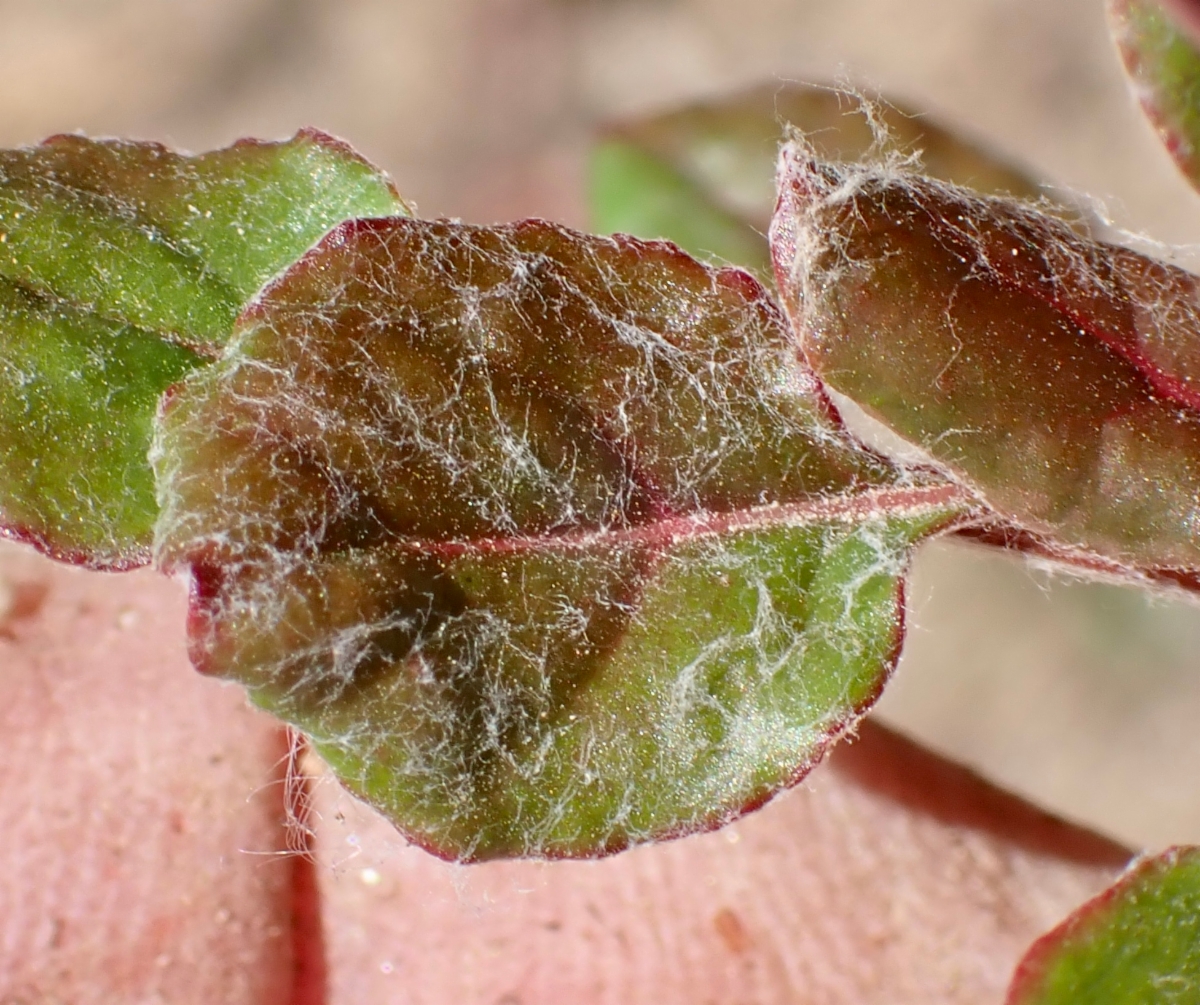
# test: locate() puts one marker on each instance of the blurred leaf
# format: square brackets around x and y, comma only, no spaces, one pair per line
[549,541]
[1138,943]
[1058,375]
[704,176]
[1163,64]
[123,266]
[634,192]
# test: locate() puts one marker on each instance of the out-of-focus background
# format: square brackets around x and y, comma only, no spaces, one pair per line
[1082,697]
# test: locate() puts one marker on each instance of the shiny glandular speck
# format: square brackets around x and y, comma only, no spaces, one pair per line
[550,542]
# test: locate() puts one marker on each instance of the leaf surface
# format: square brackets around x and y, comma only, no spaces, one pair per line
[551,542]
[1057,375]
[123,266]
[1163,64]
[704,176]
[1138,943]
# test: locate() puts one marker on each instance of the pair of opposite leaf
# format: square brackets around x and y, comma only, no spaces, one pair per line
[552,543]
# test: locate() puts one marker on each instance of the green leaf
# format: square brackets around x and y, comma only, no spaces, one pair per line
[704,176]
[549,541]
[1164,73]
[1138,943]
[122,267]
[1057,375]
[635,192]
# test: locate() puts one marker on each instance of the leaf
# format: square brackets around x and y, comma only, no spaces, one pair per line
[635,192]
[549,541]
[704,175]
[1057,375]
[1138,943]
[122,267]
[1164,73]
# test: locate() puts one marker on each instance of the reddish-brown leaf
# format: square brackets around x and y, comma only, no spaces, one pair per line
[1057,375]
[551,542]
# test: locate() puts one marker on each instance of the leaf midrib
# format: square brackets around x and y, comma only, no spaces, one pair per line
[199,269]
[846,507]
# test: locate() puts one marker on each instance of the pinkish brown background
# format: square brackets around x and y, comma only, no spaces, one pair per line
[1083,698]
